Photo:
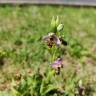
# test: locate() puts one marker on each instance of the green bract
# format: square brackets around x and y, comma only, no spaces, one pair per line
[54,24]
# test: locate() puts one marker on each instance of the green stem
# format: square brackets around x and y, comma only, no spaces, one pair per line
[54,53]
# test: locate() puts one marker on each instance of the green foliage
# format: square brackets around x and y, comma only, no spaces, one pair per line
[75,48]
[3,55]
[35,85]
[50,82]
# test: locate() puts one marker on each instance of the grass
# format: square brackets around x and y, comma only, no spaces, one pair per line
[21,30]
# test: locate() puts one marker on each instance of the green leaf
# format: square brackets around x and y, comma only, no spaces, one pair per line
[49,89]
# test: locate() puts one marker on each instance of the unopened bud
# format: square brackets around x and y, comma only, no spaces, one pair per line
[53,22]
[60,27]
[57,21]
[80,83]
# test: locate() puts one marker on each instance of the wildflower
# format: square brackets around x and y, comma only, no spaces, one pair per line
[52,39]
[57,65]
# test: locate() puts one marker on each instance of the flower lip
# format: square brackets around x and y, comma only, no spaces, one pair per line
[52,39]
[57,63]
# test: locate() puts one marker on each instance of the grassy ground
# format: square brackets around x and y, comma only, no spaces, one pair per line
[21,29]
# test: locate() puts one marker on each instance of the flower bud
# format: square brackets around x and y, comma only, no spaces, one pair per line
[53,23]
[60,27]
[80,83]
[57,21]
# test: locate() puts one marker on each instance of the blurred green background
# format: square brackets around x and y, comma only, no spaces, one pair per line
[22,28]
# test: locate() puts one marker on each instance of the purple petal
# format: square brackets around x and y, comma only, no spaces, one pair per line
[57,63]
[56,40]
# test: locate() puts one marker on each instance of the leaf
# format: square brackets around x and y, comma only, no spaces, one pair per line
[49,89]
